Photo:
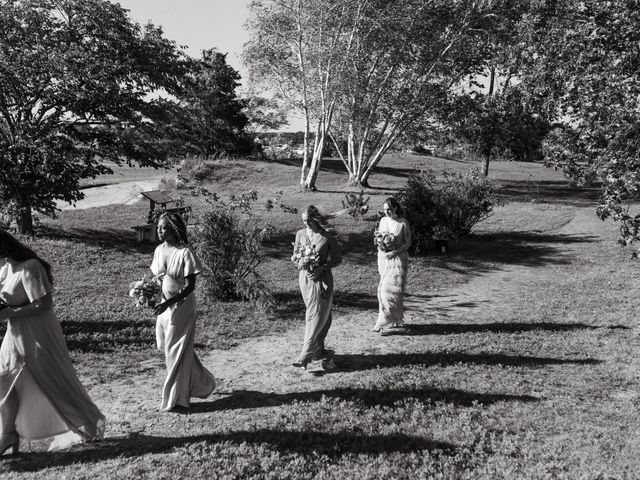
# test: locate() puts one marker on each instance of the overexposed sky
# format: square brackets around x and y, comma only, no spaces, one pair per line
[197,24]
[202,24]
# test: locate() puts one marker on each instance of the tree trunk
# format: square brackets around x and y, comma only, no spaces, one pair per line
[305,156]
[485,164]
[24,218]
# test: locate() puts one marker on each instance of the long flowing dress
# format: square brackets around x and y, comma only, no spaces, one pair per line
[35,364]
[175,329]
[317,296]
[393,275]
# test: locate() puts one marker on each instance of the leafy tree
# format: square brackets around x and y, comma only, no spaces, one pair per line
[583,60]
[75,79]
[209,118]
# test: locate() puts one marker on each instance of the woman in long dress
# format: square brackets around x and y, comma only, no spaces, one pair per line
[393,263]
[40,394]
[316,288]
[178,265]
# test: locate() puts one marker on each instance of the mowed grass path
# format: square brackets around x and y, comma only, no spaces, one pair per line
[521,362]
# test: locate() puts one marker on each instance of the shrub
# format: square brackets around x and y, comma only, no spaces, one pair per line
[356,203]
[446,208]
[196,169]
[229,243]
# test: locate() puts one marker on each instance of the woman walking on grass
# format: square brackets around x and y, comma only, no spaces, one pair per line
[393,262]
[316,286]
[40,394]
[178,266]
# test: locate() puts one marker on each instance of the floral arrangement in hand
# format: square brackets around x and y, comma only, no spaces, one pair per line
[146,291]
[384,241]
[305,257]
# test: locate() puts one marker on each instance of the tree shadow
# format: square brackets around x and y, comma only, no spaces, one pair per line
[307,443]
[105,337]
[497,327]
[554,191]
[120,239]
[361,362]
[243,399]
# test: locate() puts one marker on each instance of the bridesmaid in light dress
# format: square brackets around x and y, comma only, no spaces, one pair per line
[392,267]
[178,265]
[316,288]
[40,394]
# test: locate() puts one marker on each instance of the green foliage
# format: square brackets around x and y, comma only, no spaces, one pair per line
[356,203]
[446,208]
[74,83]
[229,243]
[210,121]
[583,60]
[197,169]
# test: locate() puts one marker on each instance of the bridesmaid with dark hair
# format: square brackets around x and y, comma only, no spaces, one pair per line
[317,288]
[179,267]
[40,394]
[393,263]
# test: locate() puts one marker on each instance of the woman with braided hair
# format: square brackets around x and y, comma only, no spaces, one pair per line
[178,266]
[317,287]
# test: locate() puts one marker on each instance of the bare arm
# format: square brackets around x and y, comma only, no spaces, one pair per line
[184,292]
[36,307]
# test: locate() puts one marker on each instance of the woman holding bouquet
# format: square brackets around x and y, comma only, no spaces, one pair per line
[393,262]
[40,394]
[316,286]
[178,266]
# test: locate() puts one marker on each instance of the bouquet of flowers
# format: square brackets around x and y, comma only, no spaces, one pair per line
[384,241]
[305,257]
[146,291]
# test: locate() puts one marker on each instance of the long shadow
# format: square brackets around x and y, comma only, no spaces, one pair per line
[361,362]
[120,239]
[242,399]
[312,443]
[457,328]
[556,191]
[105,337]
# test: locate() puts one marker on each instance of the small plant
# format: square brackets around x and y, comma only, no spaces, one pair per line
[356,204]
[196,169]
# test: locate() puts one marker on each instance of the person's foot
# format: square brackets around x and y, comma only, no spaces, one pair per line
[178,409]
[376,329]
[315,367]
[300,365]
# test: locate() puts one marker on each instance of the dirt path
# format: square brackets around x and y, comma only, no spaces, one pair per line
[117,193]
[262,365]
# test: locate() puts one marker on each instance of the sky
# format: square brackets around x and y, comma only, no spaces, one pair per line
[202,24]
[197,24]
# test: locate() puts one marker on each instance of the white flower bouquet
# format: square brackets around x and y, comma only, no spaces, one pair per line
[146,291]
[305,257]
[384,241]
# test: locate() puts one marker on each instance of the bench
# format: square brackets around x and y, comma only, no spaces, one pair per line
[157,200]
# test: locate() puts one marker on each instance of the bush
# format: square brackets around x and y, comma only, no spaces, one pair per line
[229,243]
[445,209]
[196,169]
[356,204]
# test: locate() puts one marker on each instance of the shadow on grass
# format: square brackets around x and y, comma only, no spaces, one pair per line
[105,337]
[290,303]
[457,328]
[360,362]
[304,443]
[241,399]
[120,239]
[553,191]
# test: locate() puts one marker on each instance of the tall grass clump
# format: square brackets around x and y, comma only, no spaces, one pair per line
[445,208]
[196,169]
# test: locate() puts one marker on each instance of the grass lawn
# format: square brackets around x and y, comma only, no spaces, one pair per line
[522,360]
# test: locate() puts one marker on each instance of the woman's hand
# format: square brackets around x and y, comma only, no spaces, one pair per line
[317,272]
[160,308]
[391,254]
